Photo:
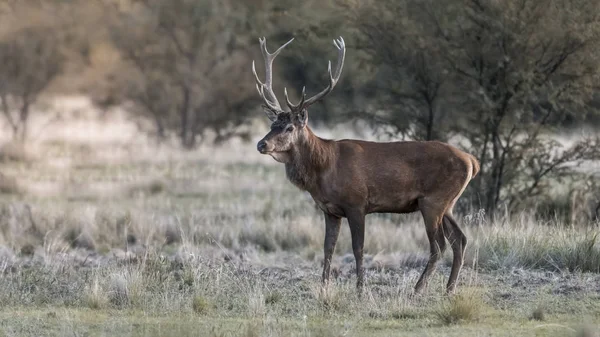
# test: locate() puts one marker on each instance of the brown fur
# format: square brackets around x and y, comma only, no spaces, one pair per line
[311,157]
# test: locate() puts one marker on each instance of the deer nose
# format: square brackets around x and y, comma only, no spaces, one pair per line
[261,146]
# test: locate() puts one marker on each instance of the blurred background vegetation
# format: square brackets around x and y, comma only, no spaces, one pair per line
[513,82]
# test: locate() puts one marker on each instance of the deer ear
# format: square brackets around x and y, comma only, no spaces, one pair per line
[302,117]
[272,115]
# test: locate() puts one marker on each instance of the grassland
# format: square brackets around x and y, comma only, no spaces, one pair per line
[122,238]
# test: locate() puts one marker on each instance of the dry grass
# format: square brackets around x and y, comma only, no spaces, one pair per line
[9,185]
[523,242]
[467,306]
[588,331]
[217,238]
[99,186]
[15,152]
[94,296]
[200,305]
[538,314]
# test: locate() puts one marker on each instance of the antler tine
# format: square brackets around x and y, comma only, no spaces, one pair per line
[266,89]
[260,88]
[258,82]
[294,107]
[333,77]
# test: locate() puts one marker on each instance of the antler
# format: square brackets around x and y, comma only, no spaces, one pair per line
[333,79]
[265,90]
[294,107]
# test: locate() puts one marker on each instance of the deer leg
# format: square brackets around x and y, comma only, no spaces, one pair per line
[458,241]
[357,230]
[437,243]
[332,230]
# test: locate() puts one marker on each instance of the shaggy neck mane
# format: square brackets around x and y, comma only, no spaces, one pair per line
[311,156]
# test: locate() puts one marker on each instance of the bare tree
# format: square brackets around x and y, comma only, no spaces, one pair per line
[29,60]
[188,61]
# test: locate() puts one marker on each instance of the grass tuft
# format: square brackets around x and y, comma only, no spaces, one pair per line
[329,297]
[273,297]
[201,305]
[464,307]
[95,297]
[128,289]
[256,303]
[80,239]
[588,331]
[538,314]
[9,185]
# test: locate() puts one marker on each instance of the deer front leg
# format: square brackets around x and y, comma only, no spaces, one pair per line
[332,230]
[356,220]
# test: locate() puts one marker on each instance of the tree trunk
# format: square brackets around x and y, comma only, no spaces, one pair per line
[430,121]
[23,122]
[186,132]
[14,125]
[492,181]
[160,130]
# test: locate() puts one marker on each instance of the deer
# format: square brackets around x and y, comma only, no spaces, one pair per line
[351,178]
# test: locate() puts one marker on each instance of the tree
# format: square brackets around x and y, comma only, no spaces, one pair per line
[407,83]
[31,58]
[513,71]
[191,59]
[188,60]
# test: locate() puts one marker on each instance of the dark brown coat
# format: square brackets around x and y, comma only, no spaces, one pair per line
[352,178]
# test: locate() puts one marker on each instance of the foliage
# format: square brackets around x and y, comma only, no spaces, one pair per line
[182,52]
[191,61]
[506,76]
[31,59]
[504,80]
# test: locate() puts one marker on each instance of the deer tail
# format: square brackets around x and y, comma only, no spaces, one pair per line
[474,166]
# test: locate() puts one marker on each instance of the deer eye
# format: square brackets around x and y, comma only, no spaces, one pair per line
[289,128]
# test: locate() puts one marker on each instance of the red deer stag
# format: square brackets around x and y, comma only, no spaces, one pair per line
[352,178]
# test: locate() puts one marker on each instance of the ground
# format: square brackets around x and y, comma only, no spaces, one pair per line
[191,296]
[126,239]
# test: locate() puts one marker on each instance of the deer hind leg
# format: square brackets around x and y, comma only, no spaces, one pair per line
[432,216]
[458,242]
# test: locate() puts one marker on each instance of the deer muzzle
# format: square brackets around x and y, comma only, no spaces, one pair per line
[262,146]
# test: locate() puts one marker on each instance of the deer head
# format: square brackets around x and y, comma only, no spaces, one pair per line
[289,127]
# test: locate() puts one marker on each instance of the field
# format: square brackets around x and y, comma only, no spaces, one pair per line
[119,237]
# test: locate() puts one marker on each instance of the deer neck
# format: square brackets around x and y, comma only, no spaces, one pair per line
[309,159]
